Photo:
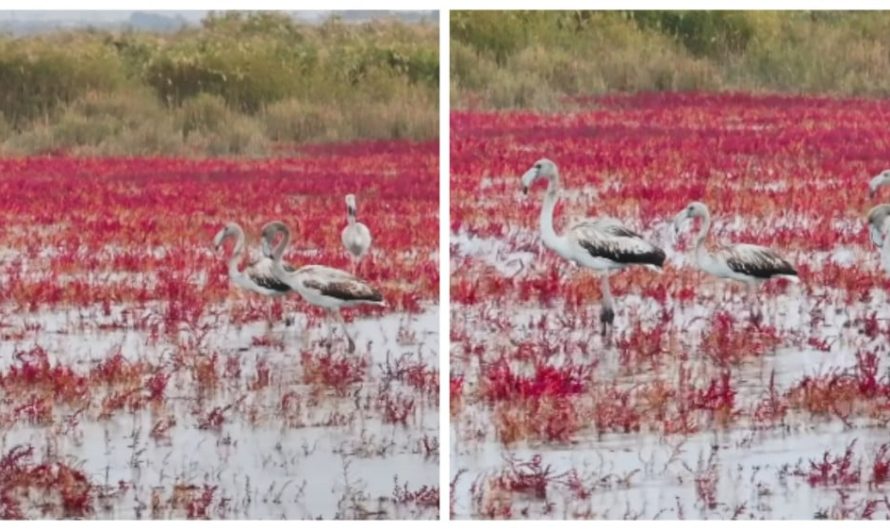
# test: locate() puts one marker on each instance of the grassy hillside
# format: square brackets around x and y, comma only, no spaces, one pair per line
[540,60]
[242,84]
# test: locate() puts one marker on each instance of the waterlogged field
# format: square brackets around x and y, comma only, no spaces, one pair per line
[135,382]
[693,409]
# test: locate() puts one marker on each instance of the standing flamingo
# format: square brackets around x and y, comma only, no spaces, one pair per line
[880,212]
[749,264]
[355,236]
[258,276]
[885,249]
[321,286]
[601,244]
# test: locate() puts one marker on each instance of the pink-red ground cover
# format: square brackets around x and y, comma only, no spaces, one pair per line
[662,420]
[135,381]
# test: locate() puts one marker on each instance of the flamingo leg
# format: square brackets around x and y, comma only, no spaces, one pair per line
[288,318]
[330,328]
[269,318]
[350,342]
[607,315]
[754,304]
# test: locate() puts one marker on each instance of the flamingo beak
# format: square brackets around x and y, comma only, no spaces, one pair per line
[876,182]
[218,239]
[528,179]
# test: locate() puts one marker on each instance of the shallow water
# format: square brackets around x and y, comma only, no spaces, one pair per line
[265,465]
[759,471]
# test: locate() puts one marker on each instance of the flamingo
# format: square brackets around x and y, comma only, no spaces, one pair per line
[885,249]
[885,246]
[749,264]
[355,236]
[257,277]
[601,244]
[325,287]
[880,212]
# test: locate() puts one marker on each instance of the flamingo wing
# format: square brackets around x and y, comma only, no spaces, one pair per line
[608,238]
[755,261]
[260,272]
[339,284]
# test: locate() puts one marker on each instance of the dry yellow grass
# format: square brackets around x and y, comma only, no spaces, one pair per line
[540,60]
[236,86]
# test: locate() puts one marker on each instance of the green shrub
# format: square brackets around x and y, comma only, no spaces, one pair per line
[153,137]
[37,140]
[39,75]
[6,129]
[230,87]
[543,59]
[498,34]
[293,121]
[202,113]
[238,135]
[247,74]
[703,33]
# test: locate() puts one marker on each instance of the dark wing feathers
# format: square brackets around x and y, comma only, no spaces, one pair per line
[622,254]
[610,240]
[261,273]
[621,231]
[270,282]
[349,291]
[758,262]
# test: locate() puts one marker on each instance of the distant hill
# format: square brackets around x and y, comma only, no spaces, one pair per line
[156,22]
[31,22]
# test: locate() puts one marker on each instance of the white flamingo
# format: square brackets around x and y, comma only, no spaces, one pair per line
[749,264]
[257,277]
[321,286]
[602,244]
[355,236]
[885,249]
[880,212]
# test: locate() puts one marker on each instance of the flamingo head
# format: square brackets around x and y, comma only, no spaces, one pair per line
[350,205]
[543,168]
[691,211]
[877,181]
[230,230]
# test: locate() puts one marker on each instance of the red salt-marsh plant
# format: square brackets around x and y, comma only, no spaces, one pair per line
[144,216]
[125,347]
[64,491]
[693,362]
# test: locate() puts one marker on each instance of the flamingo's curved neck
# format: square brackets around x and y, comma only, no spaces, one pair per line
[548,234]
[235,258]
[279,250]
[282,245]
[350,215]
[880,183]
[701,253]
[885,247]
